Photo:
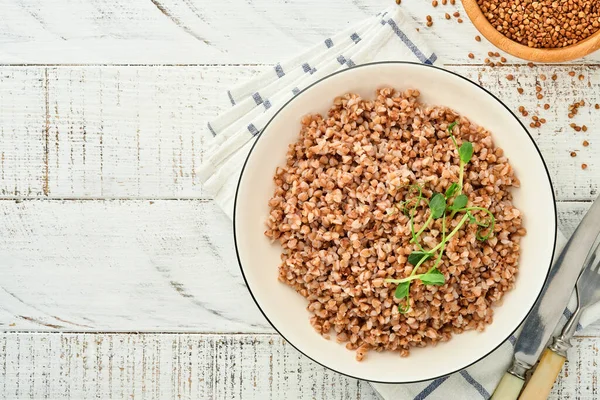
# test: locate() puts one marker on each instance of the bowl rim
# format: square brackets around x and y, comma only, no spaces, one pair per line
[235,238]
[556,54]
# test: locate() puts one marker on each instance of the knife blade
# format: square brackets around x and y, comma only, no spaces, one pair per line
[546,313]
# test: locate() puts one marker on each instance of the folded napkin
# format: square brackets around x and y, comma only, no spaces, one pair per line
[389,35]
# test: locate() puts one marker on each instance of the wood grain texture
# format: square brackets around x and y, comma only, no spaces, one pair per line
[573,52]
[191,366]
[132,266]
[122,265]
[207,32]
[139,132]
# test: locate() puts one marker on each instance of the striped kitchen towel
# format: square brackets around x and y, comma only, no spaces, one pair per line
[389,35]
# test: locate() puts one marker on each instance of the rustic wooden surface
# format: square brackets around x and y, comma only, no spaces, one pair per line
[105,226]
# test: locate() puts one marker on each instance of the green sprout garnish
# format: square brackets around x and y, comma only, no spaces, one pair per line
[452,202]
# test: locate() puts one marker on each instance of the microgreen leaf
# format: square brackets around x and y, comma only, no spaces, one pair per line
[437,205]
[451,191]
[465,152]
[459,202]
[416,256]
[451,126]
[402,290]
[433,277]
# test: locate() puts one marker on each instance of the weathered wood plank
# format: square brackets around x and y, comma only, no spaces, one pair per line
[195,366]
[139,132]
[121,265]
[197,31]
[131,266]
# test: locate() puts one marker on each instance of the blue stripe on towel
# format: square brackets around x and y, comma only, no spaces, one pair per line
[475,384]
[210,128]
[252,129]
[257,99]
[307,68]
[410,44]
[231,98]
[279,70]
[430,388]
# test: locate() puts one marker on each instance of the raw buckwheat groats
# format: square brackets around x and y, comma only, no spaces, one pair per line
[543,23]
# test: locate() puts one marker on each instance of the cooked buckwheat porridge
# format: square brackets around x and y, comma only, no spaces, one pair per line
[396,222]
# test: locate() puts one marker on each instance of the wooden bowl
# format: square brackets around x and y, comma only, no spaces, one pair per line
[577,50]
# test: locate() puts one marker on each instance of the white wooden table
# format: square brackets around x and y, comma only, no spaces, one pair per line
[117,276]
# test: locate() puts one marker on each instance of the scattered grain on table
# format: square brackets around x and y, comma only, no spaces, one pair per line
[478,38]
[583,166]
[586,143]
[573,154]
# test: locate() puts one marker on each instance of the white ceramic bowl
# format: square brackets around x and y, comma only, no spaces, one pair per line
[286,310]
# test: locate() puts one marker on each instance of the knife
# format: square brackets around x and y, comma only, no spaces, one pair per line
[546,313]
[587,291]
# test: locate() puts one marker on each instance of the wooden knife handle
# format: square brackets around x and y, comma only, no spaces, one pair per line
[540,384]
[508,388]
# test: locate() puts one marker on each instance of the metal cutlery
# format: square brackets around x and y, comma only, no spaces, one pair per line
[546,313]
[588,293]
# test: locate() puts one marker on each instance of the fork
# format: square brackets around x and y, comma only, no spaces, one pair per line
[587,292]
